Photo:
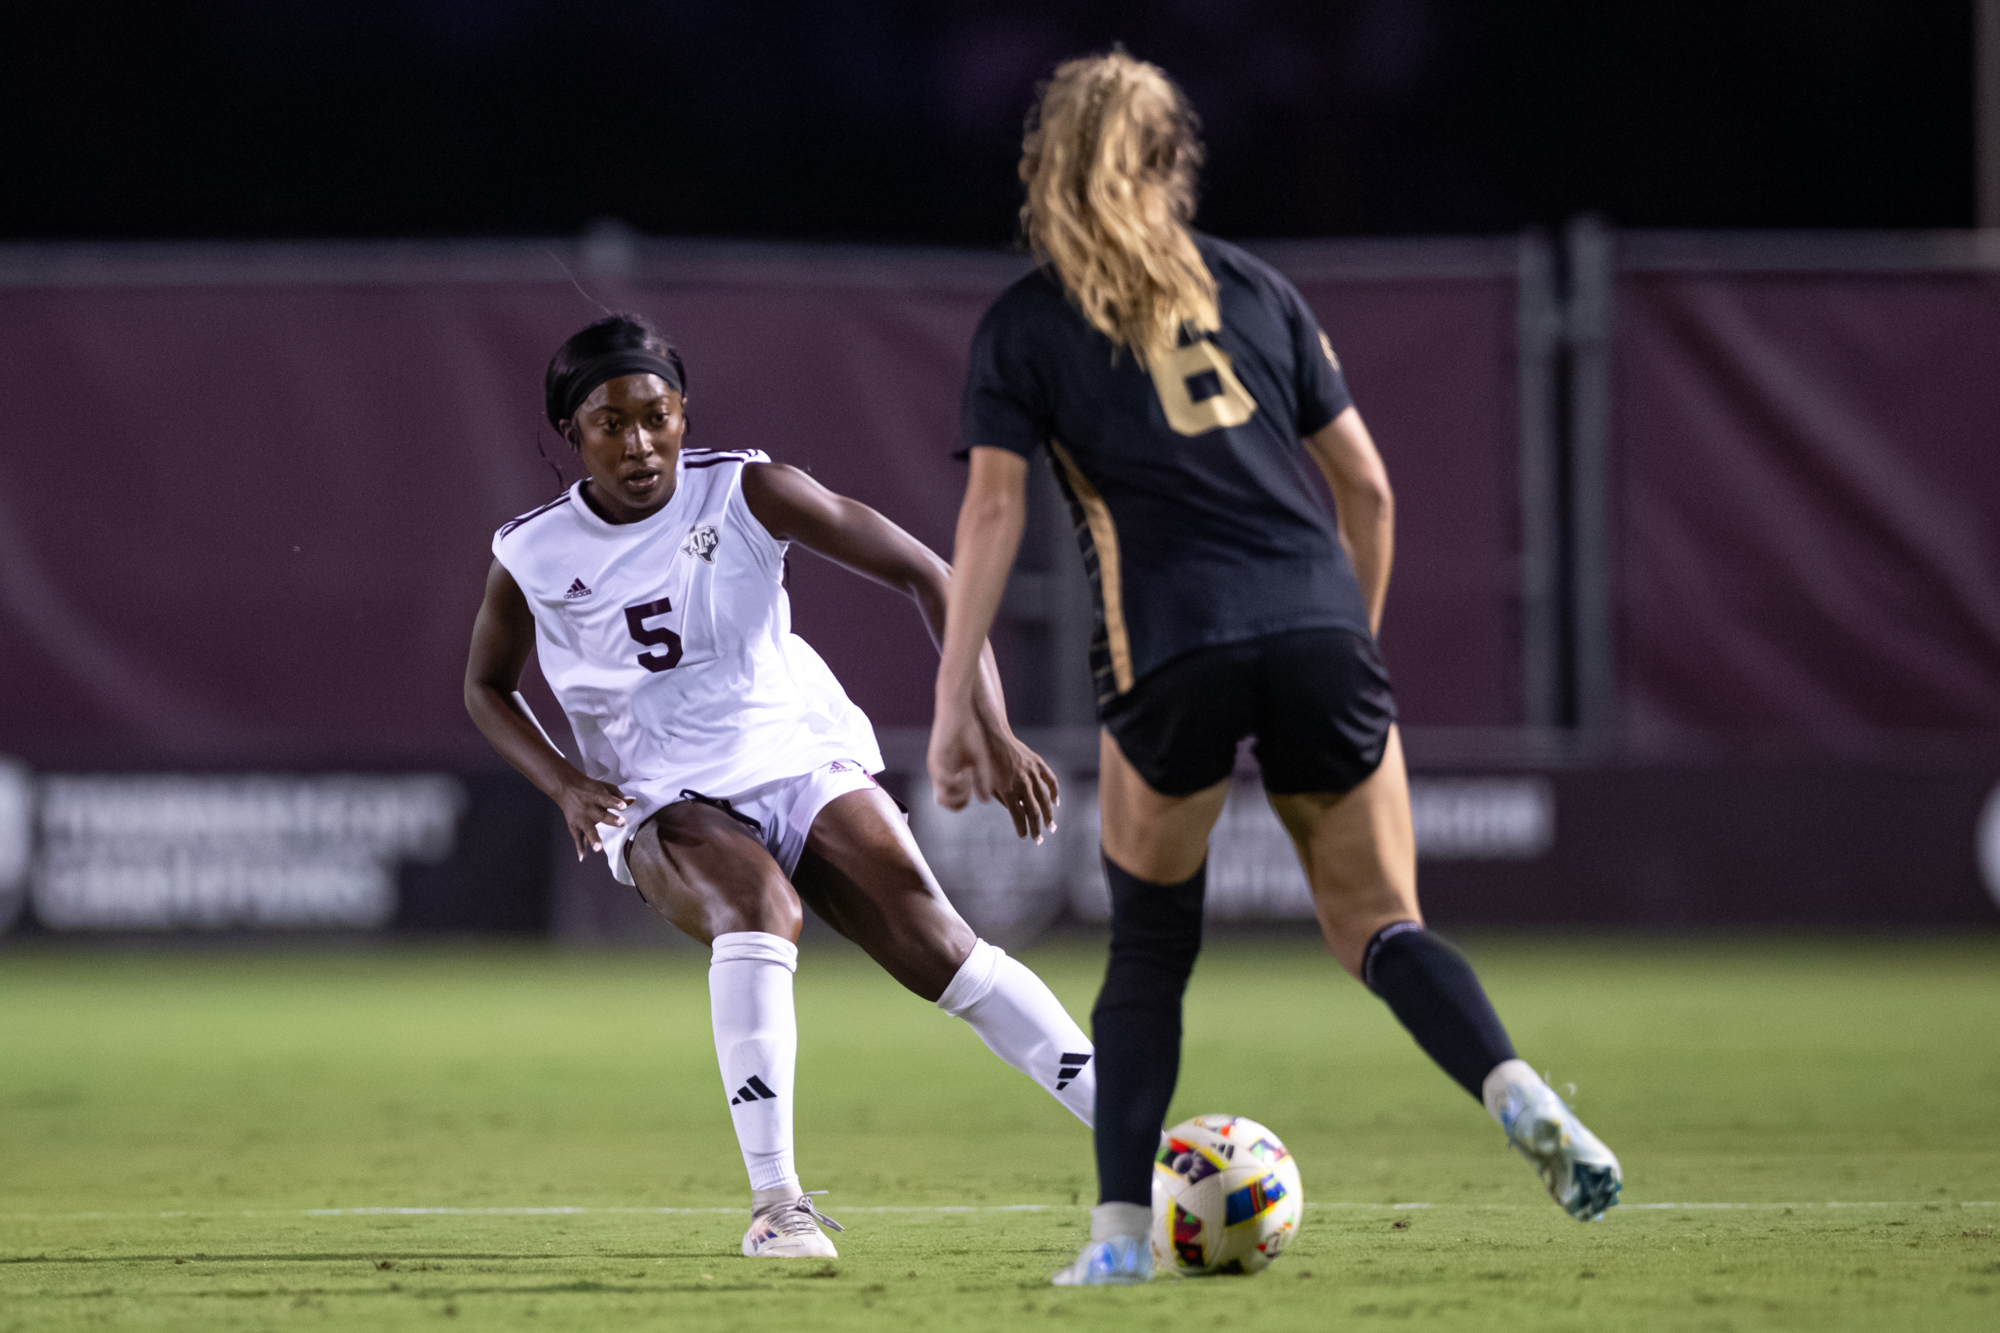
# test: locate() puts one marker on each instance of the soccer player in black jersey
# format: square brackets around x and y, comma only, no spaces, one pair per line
[1179,388]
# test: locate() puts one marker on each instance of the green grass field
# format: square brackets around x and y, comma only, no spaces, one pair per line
[521,1138]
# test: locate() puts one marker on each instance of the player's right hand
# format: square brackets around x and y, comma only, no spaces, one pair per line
[959,762]
[971,757]
[1025,786]
[586,803]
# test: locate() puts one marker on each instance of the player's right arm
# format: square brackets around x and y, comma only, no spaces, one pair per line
[989,535]
[502,636]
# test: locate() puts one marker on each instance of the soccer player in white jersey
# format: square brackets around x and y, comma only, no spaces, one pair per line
[725,773]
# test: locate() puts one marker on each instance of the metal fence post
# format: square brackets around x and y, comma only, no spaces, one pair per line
[1539,347]
[1588,245]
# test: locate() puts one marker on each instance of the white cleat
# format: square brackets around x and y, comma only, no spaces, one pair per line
[1581,1173]
[1122,1261]
[790,1231]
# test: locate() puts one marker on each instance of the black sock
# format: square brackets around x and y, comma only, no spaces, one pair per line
[1430,987]
[1136,1026]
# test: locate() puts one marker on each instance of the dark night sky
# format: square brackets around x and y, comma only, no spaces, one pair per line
[884,121]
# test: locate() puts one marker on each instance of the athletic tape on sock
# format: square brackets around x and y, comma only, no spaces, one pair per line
[1506,1077]
[1110,1220]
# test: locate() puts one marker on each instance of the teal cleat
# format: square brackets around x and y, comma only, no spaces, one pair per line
[1122,1261]
[1581,1173]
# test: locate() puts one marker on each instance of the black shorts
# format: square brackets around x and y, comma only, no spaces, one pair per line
[1317,700]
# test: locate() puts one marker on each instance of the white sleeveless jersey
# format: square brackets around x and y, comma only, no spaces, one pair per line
[669,643]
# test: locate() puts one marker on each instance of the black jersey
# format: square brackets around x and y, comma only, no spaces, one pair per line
[1188,484]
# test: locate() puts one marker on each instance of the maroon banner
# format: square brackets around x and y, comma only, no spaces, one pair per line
[1691,844]
[245,516]
[247,525]
[1806,504]
[1432,366]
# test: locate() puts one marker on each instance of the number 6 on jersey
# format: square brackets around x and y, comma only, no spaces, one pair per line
[1203,366]
[635,621]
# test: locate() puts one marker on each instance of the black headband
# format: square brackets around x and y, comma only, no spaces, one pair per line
[587,375]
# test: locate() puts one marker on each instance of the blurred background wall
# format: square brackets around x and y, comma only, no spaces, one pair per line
[1696,614]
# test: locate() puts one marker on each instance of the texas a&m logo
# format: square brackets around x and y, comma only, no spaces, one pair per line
[701,544]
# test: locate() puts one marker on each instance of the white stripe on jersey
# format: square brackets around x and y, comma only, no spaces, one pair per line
[668,642]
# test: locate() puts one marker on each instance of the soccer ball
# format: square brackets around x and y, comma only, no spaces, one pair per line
[1226,1197]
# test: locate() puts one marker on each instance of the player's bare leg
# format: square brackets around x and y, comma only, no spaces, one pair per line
[1158,838]
[705,873]
[1359,854]
[1155,863]
[863,874]
[1360,858]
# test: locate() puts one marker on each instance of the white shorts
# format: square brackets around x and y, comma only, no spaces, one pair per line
[784,811]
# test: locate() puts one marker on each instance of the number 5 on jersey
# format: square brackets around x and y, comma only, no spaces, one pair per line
[1199,391]
[635,621]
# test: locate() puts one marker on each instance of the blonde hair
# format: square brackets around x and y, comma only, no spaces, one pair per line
[1109,161]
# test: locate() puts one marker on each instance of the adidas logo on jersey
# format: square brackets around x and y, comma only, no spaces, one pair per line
[753,1091]
[1072,1065]
[576,590]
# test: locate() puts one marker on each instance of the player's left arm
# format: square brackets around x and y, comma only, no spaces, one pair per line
[794,507]
[1364,504]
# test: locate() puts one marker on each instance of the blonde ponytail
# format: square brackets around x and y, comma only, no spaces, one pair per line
[1109,161]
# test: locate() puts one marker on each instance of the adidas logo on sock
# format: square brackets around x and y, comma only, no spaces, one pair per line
[576,589]
[1072,1065]
[753,1091]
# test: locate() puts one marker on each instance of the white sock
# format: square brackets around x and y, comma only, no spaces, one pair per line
[756,1046]
[1508,1088]
[1110,1220]
[1023,1023]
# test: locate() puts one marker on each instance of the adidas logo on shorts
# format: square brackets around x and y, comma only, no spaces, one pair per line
[576,589]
